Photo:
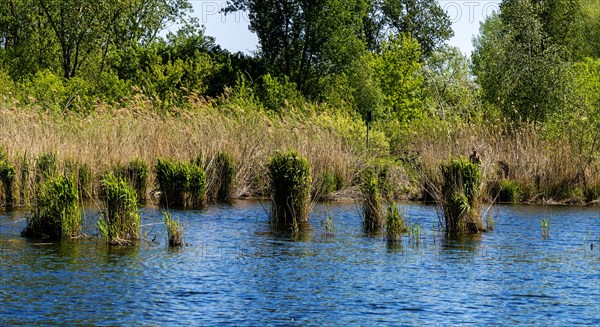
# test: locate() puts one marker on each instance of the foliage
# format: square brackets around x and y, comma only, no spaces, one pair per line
[181,184]
[45,166]
[56,213]
[120,222]
[289,173]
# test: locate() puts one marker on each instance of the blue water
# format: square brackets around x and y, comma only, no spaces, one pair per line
[237,271]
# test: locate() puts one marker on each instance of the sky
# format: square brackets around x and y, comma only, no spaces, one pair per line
[231,31]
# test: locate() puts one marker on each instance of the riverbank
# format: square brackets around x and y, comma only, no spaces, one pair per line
[518,165]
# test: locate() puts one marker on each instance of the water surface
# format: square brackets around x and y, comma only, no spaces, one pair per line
[237,271]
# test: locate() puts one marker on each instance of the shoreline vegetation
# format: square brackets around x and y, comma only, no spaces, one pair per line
[93,89]
[518,166]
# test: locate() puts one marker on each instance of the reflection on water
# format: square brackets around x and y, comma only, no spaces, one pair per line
[238,270]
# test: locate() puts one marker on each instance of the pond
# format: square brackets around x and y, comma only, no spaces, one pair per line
[236,271]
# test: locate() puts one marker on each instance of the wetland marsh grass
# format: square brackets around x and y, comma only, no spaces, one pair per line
[56,214]
[120,221]
[222,174]
[290,184]
[181,184]
[7,178]
[135,172]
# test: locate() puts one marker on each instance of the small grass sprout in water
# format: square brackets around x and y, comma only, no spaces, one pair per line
[545,227]
[175,230]
[327,224]
[395,223]
[120,222]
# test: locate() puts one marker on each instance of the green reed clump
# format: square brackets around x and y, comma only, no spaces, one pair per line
[25,185]
[225,171]
[372,205]
[395,223]
[511,192]
[175,230]
[290,184]
[181,184]
[83,176]
[136,173]
[323,185]
[45,166]
[120,222]
[7,178]
[56,214]
[461,196]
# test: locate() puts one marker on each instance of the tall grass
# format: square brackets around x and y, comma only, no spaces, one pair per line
[181,184]
[120,222]
[7,178]
[290,182]
[395,223]
[56,214]
[136,173]
[221,176]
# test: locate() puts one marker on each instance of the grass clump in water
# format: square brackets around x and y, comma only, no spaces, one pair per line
[224,176]
[120,222]
[511,192]
[7,177]
[181,184]
[290,183]
[545,227]
[136,173]
[461,197]
[175,230]
[56,214]
[395,223]
[45,166]
[373,188]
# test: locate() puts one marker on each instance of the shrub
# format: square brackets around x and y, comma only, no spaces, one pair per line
[56,213]
[290,179]
[461,196]
[120,222]
[181,184]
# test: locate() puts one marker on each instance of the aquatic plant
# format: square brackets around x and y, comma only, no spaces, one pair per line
[460,198]
[372,205]
[45,166]
[83,176]
[290,182]
[120,221]
[323,185]
[136,173]
[25,184]
[545,227]
[225,171]
[56,214]
[7,178]
[180,184]
[175,230]
[510,192]
[395,225]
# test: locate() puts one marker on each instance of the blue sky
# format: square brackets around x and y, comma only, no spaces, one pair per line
[231,31]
